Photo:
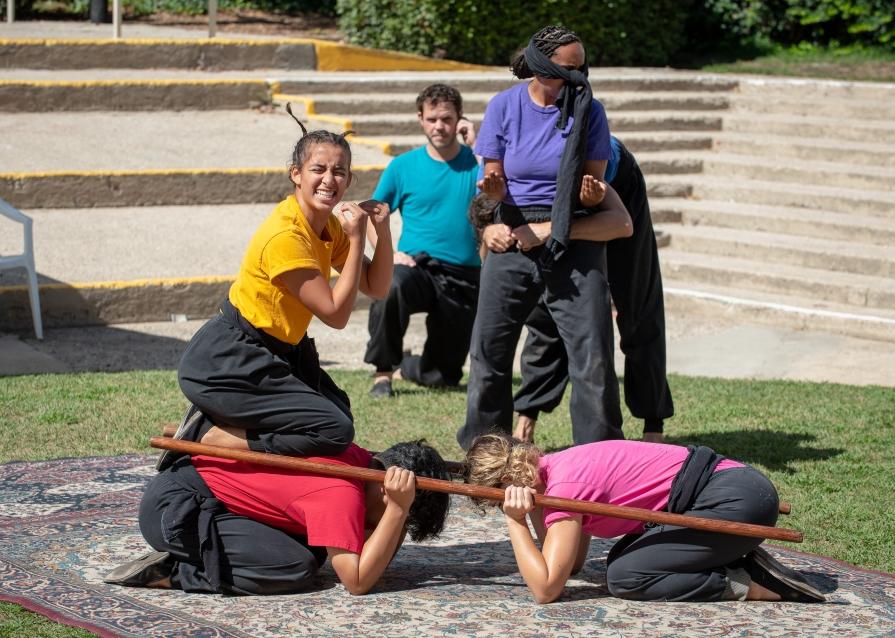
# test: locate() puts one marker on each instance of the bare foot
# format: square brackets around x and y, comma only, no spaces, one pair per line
[164,583]
[525,429]
[653,437]
[757,592]
[226,436]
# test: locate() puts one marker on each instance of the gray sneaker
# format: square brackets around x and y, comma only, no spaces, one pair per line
[188,430]
[149,568]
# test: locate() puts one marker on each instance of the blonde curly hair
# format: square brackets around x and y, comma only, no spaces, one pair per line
[495,460]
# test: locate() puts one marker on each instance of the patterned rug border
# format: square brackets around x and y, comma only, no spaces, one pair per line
[62,619]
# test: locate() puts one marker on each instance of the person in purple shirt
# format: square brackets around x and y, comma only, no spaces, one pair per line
[651,562]
[545,145]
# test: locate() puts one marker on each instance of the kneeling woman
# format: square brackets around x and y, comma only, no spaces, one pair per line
[650,562]
[233,527]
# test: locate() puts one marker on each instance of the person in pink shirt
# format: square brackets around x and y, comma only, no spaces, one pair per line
[650,562]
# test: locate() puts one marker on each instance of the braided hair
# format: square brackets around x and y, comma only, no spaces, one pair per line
[307,140]
[547,41]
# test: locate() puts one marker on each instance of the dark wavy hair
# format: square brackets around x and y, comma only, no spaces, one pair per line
[547,41]
[481,214]
[437,93]
[308,139]
[429,509]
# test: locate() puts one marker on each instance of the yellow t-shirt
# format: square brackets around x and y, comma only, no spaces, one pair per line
[285,241]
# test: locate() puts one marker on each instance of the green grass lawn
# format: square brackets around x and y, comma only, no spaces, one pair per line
[828,448]
[856,64]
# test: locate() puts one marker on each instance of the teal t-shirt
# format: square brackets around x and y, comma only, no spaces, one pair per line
[433,198]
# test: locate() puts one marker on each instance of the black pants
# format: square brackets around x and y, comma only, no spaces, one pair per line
[635,282]
[576,295]
[250,557]
[244,378]
[448,294]
[680,564]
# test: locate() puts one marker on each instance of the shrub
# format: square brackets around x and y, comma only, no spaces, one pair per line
[613,32]
[788,22]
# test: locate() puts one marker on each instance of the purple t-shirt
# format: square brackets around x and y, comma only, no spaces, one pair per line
[628,473]
[525,137]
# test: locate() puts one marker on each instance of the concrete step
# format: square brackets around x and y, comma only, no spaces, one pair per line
[23,96]
[782,220]
[187,187]
[795,103]
[861,201]
[130,264]
[800,171]
[391,124]
[637,142]
[689,299]
[837,128]
[603,80]
[248,138]
[359,103]
[826,149]
[171,187]
[814,91]
[843,255]
[738,275]
[156,53]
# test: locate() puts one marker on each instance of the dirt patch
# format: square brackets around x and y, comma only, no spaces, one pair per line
[254,22]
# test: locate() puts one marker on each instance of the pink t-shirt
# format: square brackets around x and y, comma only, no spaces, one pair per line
[628,473]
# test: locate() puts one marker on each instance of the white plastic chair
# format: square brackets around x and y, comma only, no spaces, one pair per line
[26,261]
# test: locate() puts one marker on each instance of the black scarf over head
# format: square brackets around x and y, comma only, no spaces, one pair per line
[574,99]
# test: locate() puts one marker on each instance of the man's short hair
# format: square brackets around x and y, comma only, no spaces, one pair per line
[436,93]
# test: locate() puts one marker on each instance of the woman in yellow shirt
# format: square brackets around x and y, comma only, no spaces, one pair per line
[251,373]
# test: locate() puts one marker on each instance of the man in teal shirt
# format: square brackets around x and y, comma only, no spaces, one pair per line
[437,263]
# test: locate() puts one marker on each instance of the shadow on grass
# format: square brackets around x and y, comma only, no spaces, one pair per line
[776,451]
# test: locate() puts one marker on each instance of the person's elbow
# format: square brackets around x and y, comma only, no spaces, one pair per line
[378,291]
[336,320]
[545,595]
[356,589]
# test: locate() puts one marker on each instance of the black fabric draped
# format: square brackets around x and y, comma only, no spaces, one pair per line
[574,99]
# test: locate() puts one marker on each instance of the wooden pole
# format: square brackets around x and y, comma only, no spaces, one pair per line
[453,467]
[477,491]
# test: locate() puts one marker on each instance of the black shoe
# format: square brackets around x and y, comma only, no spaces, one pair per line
[143,571]
[382,390]
[770,573]
[188,430]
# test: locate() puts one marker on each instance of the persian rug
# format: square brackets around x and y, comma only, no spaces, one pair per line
[65,523]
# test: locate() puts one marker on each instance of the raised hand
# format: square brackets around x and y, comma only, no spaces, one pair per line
[400,487]
[378,211]
[518,501]
[353,219]
[592,191]
[494,186]
[466,131]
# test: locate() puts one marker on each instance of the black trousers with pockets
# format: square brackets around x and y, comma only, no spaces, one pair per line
[242,377]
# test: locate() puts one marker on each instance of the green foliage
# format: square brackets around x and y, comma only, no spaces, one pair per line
[791,22]
[613,32]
